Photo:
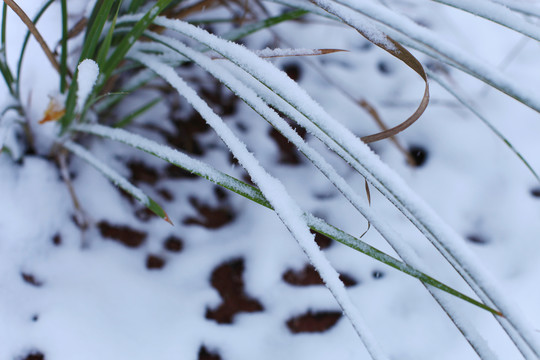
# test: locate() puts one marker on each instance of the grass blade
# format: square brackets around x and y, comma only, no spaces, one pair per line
[252,193]
[106,44]
[25,43]
[284,206]
[468,105]
[4,68]
[63,54]
[362,159]
[138,112]
[498,14]
[117,179]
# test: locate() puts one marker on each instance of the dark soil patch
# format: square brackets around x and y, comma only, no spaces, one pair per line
[175,172]
[535,192]
[173,244]
[323,241]
[311,322]
[31,279]
[293,70]
[123,234]
[140,172]
[227,280]
[288,153]
[309,276]
[348,280]
[57,240]
[34,355]
[377,274]
[165,194]
[418,154]
[210,217]
[154,262]
[145,214]
[204,354]
[477,239]
[385,68]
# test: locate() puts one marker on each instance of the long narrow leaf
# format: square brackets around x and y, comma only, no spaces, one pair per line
[496,13]
[392,237]
[461,98]
[475,67]
[117,179]
[252,193]
[383,178]
[25,43]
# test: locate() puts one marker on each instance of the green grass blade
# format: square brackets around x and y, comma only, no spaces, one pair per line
[249,29]
[4,68]
[129,39]
[117,179]
[135,5]
[63,54]
[25,43]
[482,118]
[106,44]
[96,23]
[138,112]
[204,170]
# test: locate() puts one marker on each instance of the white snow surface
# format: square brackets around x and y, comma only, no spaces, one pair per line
[102,302]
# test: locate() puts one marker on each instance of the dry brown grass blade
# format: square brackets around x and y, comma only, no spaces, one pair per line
[404,55]
[78,28]
[181,13]
[395,49]
[375,115]
[32,28]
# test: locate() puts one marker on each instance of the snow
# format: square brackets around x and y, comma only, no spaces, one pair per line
[102,302]
[87,75]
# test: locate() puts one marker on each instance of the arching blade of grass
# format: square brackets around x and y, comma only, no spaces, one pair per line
[64,50]
[135,5]
[496,13]
[461,98]
[524,8]
[253,101]
[452,55]
[25,43]
[249,29]
[284,206]
[129,39]
[117,179]
[384,229]
[106,44]
[344,143]
[136,113]
[4,68]
[445,241]
[252,193]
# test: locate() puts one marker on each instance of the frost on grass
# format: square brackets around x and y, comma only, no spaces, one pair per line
[86,79]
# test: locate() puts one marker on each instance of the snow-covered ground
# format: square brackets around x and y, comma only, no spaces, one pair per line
[228,280]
